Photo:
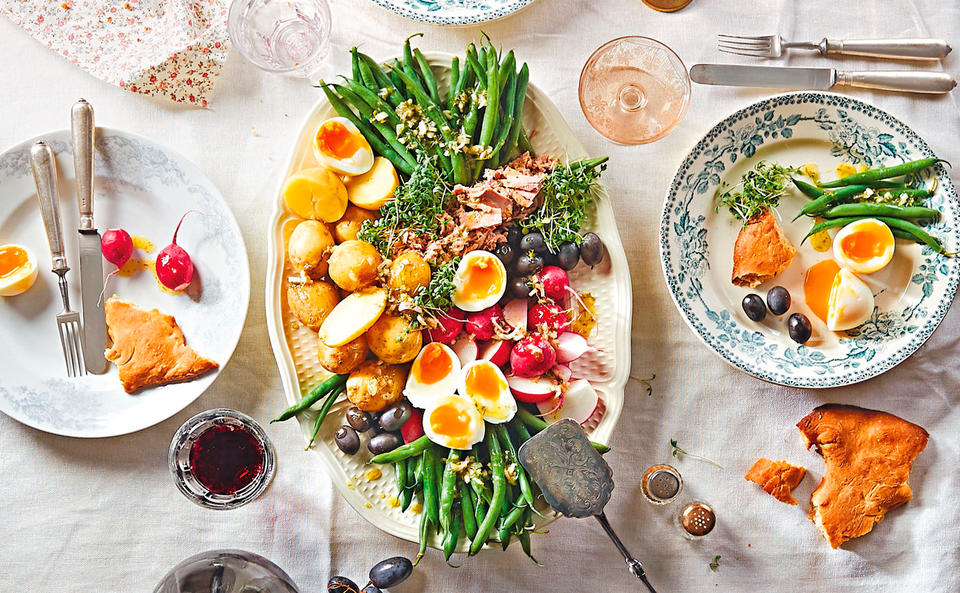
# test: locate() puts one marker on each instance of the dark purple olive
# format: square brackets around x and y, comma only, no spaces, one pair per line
[568,256]
[549,258]
[358,419]
[395,416]
[799,328]
[340,584]
[506,253]
[533,241]
[513,236]
[754,307]
[520,288]
[591,249]
[529,264]
[778,300]
[347,439]
[371,588]
[384,443]
[390,572]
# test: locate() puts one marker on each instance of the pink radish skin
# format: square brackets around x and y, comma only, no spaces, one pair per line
[533,390]
[571,346]
[515,314]
[580,401]
[563,373]
[412,429]
[482,323]
[532,356]
[174,266]
[555,282]
[116,246]
[549,314]
[466,349]
[497,352]
[449,328]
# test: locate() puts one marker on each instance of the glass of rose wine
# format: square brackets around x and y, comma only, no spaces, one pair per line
[634,90]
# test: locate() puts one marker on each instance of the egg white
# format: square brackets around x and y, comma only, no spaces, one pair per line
[475,428]
[498,411]
[873,264]
[21,279]
[422,395]
[851,302]
[477,304]
[358,163]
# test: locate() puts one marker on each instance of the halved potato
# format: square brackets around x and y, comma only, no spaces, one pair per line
[353,316]
[349,225]
[308,248]
[374,188]
[316,193]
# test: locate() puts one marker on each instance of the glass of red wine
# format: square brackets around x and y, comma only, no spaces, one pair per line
[221,459]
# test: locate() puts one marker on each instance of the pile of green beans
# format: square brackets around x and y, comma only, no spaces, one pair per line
[329,391]
[483,103]
[841,202]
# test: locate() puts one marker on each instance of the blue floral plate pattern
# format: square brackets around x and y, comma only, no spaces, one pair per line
[696,241]
[454,13]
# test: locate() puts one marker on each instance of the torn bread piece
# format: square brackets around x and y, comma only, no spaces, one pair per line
[149,348]
[761,252]
[777,478]
[869,455]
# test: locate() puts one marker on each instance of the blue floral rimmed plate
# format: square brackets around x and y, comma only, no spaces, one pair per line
[454,13]
[912,294]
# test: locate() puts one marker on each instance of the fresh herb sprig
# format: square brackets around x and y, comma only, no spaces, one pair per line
[715,563]
[566,195]
[677,452]
[437,296]
[759,189]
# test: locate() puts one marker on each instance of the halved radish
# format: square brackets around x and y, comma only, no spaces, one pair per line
[570,346]
[497,352]
[562,372]
[515,313]
[580,400]
[466,349]
[537,389]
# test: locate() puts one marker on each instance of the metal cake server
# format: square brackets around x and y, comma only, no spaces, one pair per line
[574,479]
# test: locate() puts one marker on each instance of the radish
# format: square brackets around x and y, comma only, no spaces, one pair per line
[497,352]
[412,429]
[482,323]
[515,314]
[571,346]
[532,356]
[533,390]
[579,401]
[549,314]
[116,246]
[555,282]
[562,373]
[174,266]
[466,349]
[448,329]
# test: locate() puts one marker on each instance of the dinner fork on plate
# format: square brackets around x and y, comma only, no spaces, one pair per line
[772,46]
[43,163]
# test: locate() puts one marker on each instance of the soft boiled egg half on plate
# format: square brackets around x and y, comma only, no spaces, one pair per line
[453,421]
[435,373]
[484,383]
[18,269]
[341,146]
[479,282]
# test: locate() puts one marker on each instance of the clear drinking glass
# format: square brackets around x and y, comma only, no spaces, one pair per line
[634,90]
[226,571]
[283,36]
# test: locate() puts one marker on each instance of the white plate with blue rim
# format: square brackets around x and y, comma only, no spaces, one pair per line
[454,13]
[143,188]
[912,294]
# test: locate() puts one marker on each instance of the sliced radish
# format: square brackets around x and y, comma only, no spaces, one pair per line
[563,373]
[534,390]
[515,314]
[570,346]
[466,349]
[497,352]
[593,421]
[580,401]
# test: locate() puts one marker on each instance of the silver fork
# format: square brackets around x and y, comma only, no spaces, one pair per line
[68,322]
[772,46]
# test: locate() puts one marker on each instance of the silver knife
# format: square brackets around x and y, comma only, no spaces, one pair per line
[91,260]
[821,78]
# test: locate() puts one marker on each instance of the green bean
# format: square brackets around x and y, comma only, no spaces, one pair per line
[887,185]
[426,72]
[526,491]
[468,78]
[467,510]
[872,175]
[355,63]
[513,517]
[421,445]
[829,224]
[452,536]
[385,130]
[419,470]
[397,82]
[909,227]
[409,63]
[367,77]
[374,101]
[314,395]
[412,478]
[508,65]
[424,533]
[480,508]
[479,71]
[811,191]
[909,192]
[524,537]
[499,483]
[828,198]
[431,506]
[406,497]
[506,123]
[324,410]
[491,113]
[454,81]
[521,94]
[400,467]
[448,486]
[472,119]
[535,423]
[524,143]
[868,209]
[383,81]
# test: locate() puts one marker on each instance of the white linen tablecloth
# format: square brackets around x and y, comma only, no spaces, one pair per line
[104,515]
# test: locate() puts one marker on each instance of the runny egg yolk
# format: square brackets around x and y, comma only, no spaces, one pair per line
[453,423]
[432,365]
[483,381]
[335,140]
[863,245]
[12,259]
[817,284]
[483,278]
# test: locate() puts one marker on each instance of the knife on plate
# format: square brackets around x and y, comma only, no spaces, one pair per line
[91,260]
[821,78]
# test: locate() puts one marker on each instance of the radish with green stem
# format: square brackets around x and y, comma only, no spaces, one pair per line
[174,266]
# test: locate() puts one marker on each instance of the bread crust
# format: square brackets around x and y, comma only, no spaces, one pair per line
[762,251]
[777,478]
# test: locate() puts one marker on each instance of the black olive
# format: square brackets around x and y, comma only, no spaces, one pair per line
[799,328]
[395,416]
[778,300]
[520,288]
[506,253]
[347,439]
[591,249]
[340,584]
[513,236]
[529,264]
[384,443]
[359,419]
[533,241]
[754,308]
[568,256]
[371,588]
[390,572]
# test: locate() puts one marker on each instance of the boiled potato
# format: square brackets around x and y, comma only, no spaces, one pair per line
[354,264]
[309,248]
[374,385]
[312,302]
[409,272]
[316,193]
[343,359]
[353,316]
[347,227]
[394,340]
[374,188]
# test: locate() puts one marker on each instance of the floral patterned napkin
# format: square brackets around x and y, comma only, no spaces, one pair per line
[172,49]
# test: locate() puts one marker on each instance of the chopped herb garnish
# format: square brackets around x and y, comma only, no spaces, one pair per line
[566,194]
[677,452]
[715,563]
[759,189]
[437,296]
[645,382]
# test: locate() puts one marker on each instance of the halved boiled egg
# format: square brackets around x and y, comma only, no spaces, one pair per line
[18,269]
[484,383]
[341,146]
[480,281]
[435,373]
[851,302]
[453,421]
[864,246]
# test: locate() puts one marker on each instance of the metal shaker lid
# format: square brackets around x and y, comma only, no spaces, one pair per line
[698,519]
